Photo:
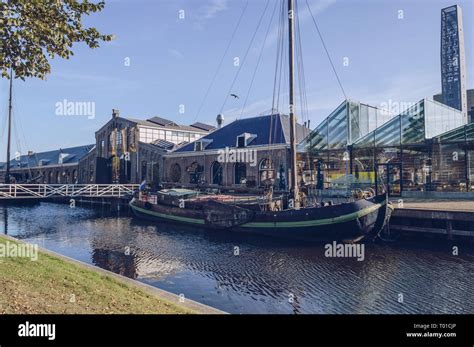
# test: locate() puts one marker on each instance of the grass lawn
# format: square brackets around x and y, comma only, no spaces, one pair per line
[54,285]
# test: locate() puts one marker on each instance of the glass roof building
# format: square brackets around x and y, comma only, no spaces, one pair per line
[326,149]
[347,123]
[427,147]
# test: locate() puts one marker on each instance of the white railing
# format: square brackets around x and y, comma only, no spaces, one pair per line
[41,191]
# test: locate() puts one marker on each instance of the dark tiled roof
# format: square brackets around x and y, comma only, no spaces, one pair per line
[260,126]
[163,144]
[161,121]
[70,155]
[203,126]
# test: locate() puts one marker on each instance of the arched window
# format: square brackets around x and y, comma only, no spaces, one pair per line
[175,173]
[144,169]
[83,177]
[91,173]
[266,172]
[216,173]
[155,172]
[74,176]
[50,177]
[58,177]
[240,173]
[195,173]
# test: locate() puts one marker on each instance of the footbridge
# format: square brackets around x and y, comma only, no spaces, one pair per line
[48,191]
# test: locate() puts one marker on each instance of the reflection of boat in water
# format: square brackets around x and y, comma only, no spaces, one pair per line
[345,221]
[290,215]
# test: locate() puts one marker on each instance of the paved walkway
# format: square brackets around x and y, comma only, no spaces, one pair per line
[436,204]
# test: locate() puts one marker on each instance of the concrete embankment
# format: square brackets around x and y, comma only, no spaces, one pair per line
[444,218]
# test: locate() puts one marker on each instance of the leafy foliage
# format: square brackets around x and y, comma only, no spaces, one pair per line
[31,31]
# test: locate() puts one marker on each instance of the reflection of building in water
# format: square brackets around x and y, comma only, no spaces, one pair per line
[128,254]
[115,261]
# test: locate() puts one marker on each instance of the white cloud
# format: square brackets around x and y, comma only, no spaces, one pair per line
[213,8]
[175,53]
[304,15]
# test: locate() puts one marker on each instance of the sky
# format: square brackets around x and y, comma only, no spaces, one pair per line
[160,64]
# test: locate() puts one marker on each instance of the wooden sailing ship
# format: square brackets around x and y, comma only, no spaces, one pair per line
[285,216]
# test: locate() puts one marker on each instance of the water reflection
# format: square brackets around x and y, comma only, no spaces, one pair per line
[267,275]
[5,219]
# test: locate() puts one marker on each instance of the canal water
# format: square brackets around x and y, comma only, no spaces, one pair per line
[242,274]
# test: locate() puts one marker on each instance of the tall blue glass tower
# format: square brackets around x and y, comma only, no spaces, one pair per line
[453,65]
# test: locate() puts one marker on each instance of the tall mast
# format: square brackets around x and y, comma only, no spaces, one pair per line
[7,173]
[291,56]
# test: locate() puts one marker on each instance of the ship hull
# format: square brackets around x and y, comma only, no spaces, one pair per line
[352,221]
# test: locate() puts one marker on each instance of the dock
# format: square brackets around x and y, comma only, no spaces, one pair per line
[446,218]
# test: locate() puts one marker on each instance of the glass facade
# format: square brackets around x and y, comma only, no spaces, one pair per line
[328,145]
[149,135]
[424,148]
[440,119]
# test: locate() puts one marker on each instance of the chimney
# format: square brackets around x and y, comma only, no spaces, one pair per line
[309,120]
[115,113]
[219,120]
[30,153]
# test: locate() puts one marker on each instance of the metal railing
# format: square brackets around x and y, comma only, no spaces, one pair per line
[42,191]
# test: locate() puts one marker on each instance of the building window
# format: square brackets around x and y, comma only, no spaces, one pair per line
[91,173]
[74,176]
[266,172]
[195,173]
[144,169]
[216,173]
[102,149]
[240,173]
[241,141]
[175,173]
[198,146]
[155,173]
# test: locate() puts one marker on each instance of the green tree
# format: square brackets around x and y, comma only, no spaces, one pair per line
[31,31]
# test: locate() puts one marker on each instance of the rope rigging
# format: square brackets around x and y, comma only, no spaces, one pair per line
[245,56]
[259,59]
[327,52]
[221,61]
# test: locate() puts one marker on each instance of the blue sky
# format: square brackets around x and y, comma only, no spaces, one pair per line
[172,62]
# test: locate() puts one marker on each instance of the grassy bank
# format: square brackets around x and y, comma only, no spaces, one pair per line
[54,285]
